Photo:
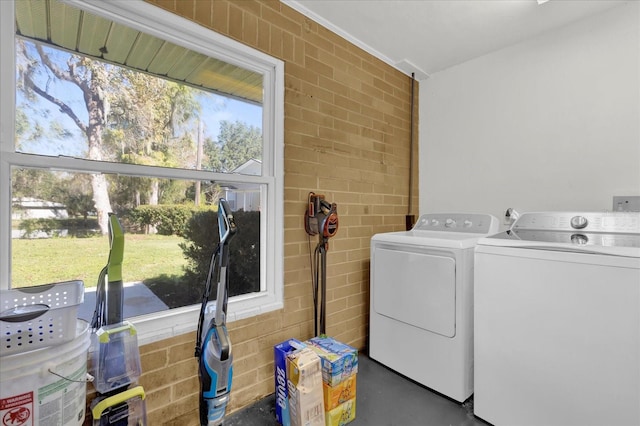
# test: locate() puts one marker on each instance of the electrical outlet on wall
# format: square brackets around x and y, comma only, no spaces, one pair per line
[626,204]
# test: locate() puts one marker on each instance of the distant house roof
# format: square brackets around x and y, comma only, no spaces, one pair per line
[33,208]
[250,167]
[35,203]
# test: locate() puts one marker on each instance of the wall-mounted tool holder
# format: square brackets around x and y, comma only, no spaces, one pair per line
[321,218]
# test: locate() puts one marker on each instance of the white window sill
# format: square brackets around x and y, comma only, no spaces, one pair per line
[166,324]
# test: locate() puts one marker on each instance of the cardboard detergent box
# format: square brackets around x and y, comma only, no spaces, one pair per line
[304,374]
[280,352]
[340,393]
[339,361]
[342,414]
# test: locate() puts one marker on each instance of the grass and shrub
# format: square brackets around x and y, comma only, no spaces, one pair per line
[174,263]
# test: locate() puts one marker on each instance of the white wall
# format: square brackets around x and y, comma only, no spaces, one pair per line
[552,123]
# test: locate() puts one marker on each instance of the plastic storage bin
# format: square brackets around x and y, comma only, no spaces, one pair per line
[124,408]
[115,358]
[36,317]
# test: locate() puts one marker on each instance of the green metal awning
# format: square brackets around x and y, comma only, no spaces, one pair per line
[72,29]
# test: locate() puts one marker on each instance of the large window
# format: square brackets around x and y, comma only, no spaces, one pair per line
[120,107]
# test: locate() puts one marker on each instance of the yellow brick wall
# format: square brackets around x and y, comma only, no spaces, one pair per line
[347,136]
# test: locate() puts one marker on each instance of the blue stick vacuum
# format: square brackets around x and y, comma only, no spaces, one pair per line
[213,347]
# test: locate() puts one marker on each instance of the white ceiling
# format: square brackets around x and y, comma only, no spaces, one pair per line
[427,36]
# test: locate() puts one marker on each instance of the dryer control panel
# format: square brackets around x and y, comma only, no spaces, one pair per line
[458,222]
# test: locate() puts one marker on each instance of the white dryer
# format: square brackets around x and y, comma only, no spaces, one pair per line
[421,310]
[557,321]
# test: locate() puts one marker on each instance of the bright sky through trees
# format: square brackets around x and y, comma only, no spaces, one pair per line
[214,109]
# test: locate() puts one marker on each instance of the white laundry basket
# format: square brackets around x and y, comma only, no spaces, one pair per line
[39,316]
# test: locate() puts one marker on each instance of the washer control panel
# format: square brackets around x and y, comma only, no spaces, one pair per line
[604,222]
[458,222]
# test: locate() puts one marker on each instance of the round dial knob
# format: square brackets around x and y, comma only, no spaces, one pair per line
[450,223]
[579,222]
[579,239]
[435,222]
[467,223]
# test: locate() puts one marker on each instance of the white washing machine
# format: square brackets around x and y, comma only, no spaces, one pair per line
[421,320]
[557,321]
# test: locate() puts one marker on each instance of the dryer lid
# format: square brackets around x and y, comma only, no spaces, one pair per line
[446,230]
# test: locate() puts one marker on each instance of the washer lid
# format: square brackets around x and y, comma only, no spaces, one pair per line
[599,222]
[612,233]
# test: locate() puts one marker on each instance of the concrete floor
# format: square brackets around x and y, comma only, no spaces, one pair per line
[383,398]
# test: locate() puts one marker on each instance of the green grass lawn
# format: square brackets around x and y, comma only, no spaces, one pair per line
[41,261]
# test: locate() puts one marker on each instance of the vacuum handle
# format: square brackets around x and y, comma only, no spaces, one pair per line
[225,345]
[226,222]
[119,398]
[222,296]
[115,301]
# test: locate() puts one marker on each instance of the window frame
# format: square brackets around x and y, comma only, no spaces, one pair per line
[166,25]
